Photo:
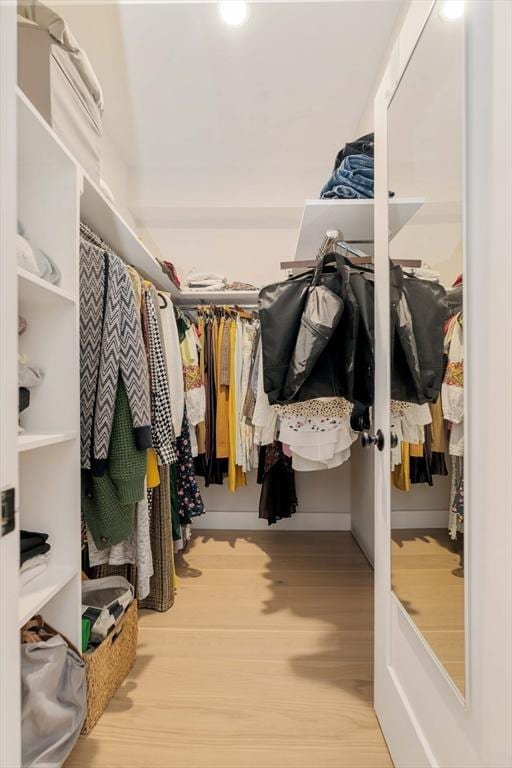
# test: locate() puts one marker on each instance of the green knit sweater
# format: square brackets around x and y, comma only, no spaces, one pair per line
[109,502]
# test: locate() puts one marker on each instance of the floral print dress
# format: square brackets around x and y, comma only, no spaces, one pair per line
[189,497]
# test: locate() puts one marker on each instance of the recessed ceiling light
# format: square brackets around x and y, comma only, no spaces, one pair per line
[452,9]
[233,12]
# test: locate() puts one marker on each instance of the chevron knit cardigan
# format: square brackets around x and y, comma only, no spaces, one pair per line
[110,343]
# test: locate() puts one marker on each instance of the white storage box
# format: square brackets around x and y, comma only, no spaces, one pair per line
[56,75]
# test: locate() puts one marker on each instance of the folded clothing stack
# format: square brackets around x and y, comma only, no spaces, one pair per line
[28,376]
[352,176]
[205,281]
[35,260]
[34,555]
[238,286]
[104,603]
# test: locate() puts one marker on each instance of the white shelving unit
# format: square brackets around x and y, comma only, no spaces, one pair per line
[48,448]
[29,441]
[353,219]
[33,290]
[10,689]
[36,595]
[54,194]
[102,217]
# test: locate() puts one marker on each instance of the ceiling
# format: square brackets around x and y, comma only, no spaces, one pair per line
[207,116]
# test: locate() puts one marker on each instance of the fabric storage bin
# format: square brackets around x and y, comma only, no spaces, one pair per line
[53,695]
[56,75]
[108,665]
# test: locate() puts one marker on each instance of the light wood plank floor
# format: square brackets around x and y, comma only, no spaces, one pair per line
[265,661]
[428,578]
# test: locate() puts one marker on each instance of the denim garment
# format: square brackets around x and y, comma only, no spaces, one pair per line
[353,179]
[362,146]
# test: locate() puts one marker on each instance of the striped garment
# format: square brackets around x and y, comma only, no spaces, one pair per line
[110,343]
[164,439]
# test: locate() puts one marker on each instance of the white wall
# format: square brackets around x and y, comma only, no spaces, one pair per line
[366,121]
[248,255]
[113,168]
[324,503]
[114,172]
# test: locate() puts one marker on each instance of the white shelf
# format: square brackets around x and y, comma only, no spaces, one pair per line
[48,451]
[353,218]
[99,213]
[37,593]
[188,298]
[29,441]
[101,216]
[36,291]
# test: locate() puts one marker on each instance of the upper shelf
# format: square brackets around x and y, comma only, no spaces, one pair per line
[101,216]
[353,218]
[33,290]
[95,209]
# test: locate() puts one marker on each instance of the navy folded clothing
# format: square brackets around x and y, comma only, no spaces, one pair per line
[32,543]
[23,399]
[30,539]
[364,145]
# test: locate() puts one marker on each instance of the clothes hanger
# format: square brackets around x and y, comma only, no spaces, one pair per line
[334,239]
[330,238]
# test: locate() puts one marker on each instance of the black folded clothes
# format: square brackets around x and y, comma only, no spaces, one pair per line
[32,544]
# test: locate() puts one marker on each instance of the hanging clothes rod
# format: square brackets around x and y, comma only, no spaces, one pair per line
[235,307]
[363,258]
[333,237]
[332,241]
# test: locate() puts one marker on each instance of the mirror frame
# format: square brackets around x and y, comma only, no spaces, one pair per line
[464,698]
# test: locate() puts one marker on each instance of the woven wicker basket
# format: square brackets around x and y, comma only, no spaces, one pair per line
[108,666]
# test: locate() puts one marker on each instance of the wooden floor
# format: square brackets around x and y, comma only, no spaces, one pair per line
[265,661]
[428,578]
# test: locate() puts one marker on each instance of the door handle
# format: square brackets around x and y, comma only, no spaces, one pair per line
[377,440]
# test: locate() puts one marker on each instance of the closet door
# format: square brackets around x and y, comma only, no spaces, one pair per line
[9,543]
[443,553]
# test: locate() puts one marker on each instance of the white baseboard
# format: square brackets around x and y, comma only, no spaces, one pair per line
[316,521]
[249,521]
[419,518]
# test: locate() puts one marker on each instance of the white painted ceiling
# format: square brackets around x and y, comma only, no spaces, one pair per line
[207,116]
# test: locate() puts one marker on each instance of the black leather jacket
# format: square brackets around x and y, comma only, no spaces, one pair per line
[343,362]
[303,338]
[419,311]
[428,306]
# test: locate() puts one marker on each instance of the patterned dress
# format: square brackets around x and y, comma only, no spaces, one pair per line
[189,496]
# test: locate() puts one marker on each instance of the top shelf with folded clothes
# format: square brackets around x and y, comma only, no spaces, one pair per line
[212,288]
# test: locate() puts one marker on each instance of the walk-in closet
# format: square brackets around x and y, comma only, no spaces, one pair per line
[256,345]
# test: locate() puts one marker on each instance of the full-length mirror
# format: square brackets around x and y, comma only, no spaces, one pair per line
[426,141]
